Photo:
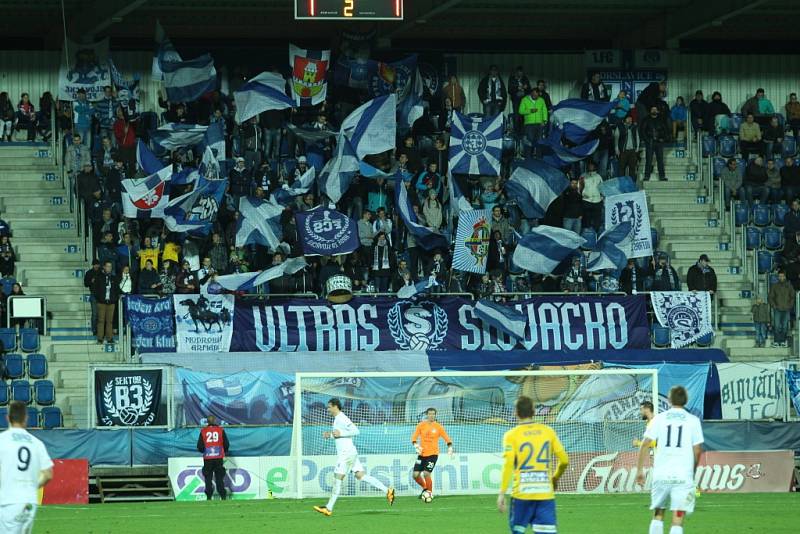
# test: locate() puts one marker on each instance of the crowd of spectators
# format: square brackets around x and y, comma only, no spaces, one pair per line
[23,121]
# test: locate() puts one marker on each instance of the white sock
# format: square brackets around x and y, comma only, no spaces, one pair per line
[375,483]
[337,489]
[656,526]
[676,530]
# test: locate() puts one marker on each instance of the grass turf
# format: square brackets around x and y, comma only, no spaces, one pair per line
[577,514]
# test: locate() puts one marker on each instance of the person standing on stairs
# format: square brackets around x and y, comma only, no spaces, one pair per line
[781,299]
[654,133]
[88,283]
[106,292]
[701,277]
[761,319]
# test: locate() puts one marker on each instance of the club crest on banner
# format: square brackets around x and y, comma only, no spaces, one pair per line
[308,76]
[417,325]
[686,313]
[129,399]
[472,241]
[631,207]
[205,209]
[150,199]
[383,78]
[327,230]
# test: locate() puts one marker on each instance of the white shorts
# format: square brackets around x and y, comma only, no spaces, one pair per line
[681,496]
[17,518]
[345,464]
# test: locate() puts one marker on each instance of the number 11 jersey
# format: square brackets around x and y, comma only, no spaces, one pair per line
[675,432]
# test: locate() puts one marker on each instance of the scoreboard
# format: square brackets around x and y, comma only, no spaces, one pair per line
[348,9]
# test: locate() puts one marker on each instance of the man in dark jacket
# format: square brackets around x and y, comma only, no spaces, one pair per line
[790,179]
[492,92]
[698,110]
[252,143]
[572,202]
[654,133]
[106,292]
[149,281]
[88,283]
[754,181]
[701,277]
[664,276]
[240,180]
[518,88]
[595,89]
[781,300]
[650,97]
[628,148]
[632,278]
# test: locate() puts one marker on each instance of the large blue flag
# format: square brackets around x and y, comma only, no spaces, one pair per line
[505,318]
[578,118]
[186,81]
[338,173]
[147,197]
[286,194]
[173,136]
[372,127]
[214,140]
[534,186]
[248,281]
[613,248]
[426,238]
[618,186]
[410,108]
[259,223]
[146,160]
[196,211]
[326,232]
[544,248]
[265,92]
[563,156]
[476,145]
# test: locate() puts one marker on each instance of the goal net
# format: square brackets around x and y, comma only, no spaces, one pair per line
[594,412]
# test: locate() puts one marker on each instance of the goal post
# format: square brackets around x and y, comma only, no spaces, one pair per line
[595,413]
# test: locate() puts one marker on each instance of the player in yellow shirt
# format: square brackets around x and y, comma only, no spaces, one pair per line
[535,458]
[428,432]
[646,411]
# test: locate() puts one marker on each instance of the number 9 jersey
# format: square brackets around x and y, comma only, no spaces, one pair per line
[533,456]
[22,458]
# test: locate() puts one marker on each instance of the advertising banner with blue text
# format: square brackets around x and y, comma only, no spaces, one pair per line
[152,323]
[375,324]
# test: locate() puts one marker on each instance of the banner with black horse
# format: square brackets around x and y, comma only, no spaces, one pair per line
[204,323]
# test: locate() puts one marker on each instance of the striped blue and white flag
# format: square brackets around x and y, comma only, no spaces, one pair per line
[472,241]
[248,281]
[420,288]
[165,50]
[259,223]
[563,156]
[146,160]
[173,136]
[286,194]
[505,318]
[458,202]
[186,81]
[618,186]
[196,211]
[476,145]
[426,238]
[534,186]
[338,173]
[578,118]
[265,92]
[146,198]
[410,108]
[613,248]
[214,139]
[372,127]
[544,248]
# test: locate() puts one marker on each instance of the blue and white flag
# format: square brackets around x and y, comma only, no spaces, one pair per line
[146,160]
[687,314]
[618,186]
[165,50]
[214,139]
[420,288]
[259,223]
[613,249]
[248,281]
[127,90]
[544,248]
[338,173]
[301,186]
[563,156]
[505,318]
[410,108]
[187,175]
[265,92]
[534,186]
[426,238]
[372,127]
[196,211]
[476,145]
[326,232]
[631,207]
[146,198]
[186,81]
[579,118]
[458,202]
[793,378]
[173,136]
[472,241]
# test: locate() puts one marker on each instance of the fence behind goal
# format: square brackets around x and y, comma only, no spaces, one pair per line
[594,412]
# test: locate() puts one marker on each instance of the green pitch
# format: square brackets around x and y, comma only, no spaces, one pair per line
[577,514]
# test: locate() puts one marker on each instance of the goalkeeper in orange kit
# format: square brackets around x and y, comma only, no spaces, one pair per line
[428,432]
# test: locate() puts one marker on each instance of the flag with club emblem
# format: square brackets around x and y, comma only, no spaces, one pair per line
[476,145]
[146,198]
[472,241]
[309,75]
[196,211]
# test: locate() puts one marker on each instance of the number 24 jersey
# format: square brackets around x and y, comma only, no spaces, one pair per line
[532,453]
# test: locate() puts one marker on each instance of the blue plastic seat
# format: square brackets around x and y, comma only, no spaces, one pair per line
[661,336]
[728,147]
[44,392]
[51,417]
[21,391]
[3,393]
[37,365]
[735,122]
[709,146]
[719,165]
[779,212]
[8,336]
[778,260]
[28,339]
[3,418]
[591,238]
[789,148]
[753,239]
[741,214]
[705,341]
[773,238]
[33,417]
[15,366]
[761,215]
[764,261]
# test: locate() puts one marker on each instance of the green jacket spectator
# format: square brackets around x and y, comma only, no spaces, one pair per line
[533,111]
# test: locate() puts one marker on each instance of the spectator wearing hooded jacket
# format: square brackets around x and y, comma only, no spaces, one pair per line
[790,179]
[717,113]
[595,89]
[698,111]
[665,278]
[455,93]
[632,278]
[701,277]
[492,92]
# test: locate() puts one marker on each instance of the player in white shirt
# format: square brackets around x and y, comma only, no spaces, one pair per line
[679,438]
[25,467]
[347,457]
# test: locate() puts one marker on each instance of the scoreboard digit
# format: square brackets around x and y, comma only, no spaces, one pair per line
[348,9]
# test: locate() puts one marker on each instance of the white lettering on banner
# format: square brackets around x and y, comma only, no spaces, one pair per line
[365,313]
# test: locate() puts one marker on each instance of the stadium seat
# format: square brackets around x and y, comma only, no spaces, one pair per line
[773,238]
[654,237]
[21,391]
[28,339]
[44,392]
[789,149]
[661,336]
[705,341]
[8,284]
[728,146]
[753,239]
[741,214]
[741,166]
[8,336]
[15,366]
[3,418]
[33,417]
[779,212]
[734,122]
[761,215]
[37,365]
[719,164]
[777,259]
[764,261]
[591,238]
[51,417]
[709,146]
[3,392]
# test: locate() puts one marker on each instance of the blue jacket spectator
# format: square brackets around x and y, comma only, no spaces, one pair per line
[5,229]
[106,110]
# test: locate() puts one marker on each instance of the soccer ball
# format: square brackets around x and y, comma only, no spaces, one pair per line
[427,496]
